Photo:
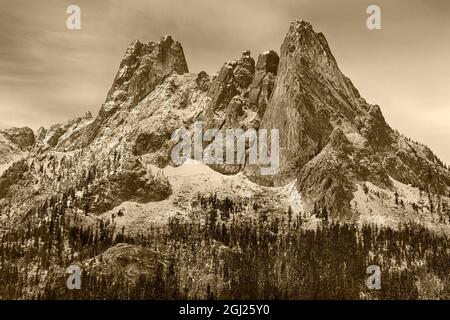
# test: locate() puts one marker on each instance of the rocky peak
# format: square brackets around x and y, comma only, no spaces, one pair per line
[268,62]
[251,82]
[172,55]
[203,81]
[310,53]
[261,87]
[87,115]
[375,129]
[302,37]
[143,67]
[338,140]
[244,70]
[330,138]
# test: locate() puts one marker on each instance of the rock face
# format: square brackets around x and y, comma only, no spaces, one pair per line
[240,92]
[8,150]
[331,138]
[239,96]
[130,183]
[310,96]
[61,136]
[14,144]
[101,162]
[261,88]
[135,260]
[143,67]
[332,141]
[111,177]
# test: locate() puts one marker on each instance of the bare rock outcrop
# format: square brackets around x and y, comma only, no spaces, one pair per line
[12,176]
[130,183]
[310,93]
[22,137]
[331,139]
[144,66]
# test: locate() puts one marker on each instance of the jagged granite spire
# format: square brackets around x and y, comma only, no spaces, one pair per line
[309,96]
[143,67]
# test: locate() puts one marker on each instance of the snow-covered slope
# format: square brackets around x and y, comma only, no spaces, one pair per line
[192,179]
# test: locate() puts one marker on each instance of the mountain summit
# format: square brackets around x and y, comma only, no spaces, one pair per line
[332,141]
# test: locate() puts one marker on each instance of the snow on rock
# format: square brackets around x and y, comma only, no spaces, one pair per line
[294,197]
[191,179]
[402,204]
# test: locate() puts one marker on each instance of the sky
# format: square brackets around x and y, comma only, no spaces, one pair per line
[49,74]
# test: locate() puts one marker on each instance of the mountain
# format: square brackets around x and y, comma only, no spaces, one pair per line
[112,175]
[331,138]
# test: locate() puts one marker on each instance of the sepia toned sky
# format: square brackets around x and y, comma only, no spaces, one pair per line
[49,74]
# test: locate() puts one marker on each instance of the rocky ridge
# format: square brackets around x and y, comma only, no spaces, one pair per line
[332,140]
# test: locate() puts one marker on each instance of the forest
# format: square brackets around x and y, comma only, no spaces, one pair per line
[217,253]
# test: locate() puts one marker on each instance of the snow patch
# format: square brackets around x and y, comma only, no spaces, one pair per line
[294,197]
